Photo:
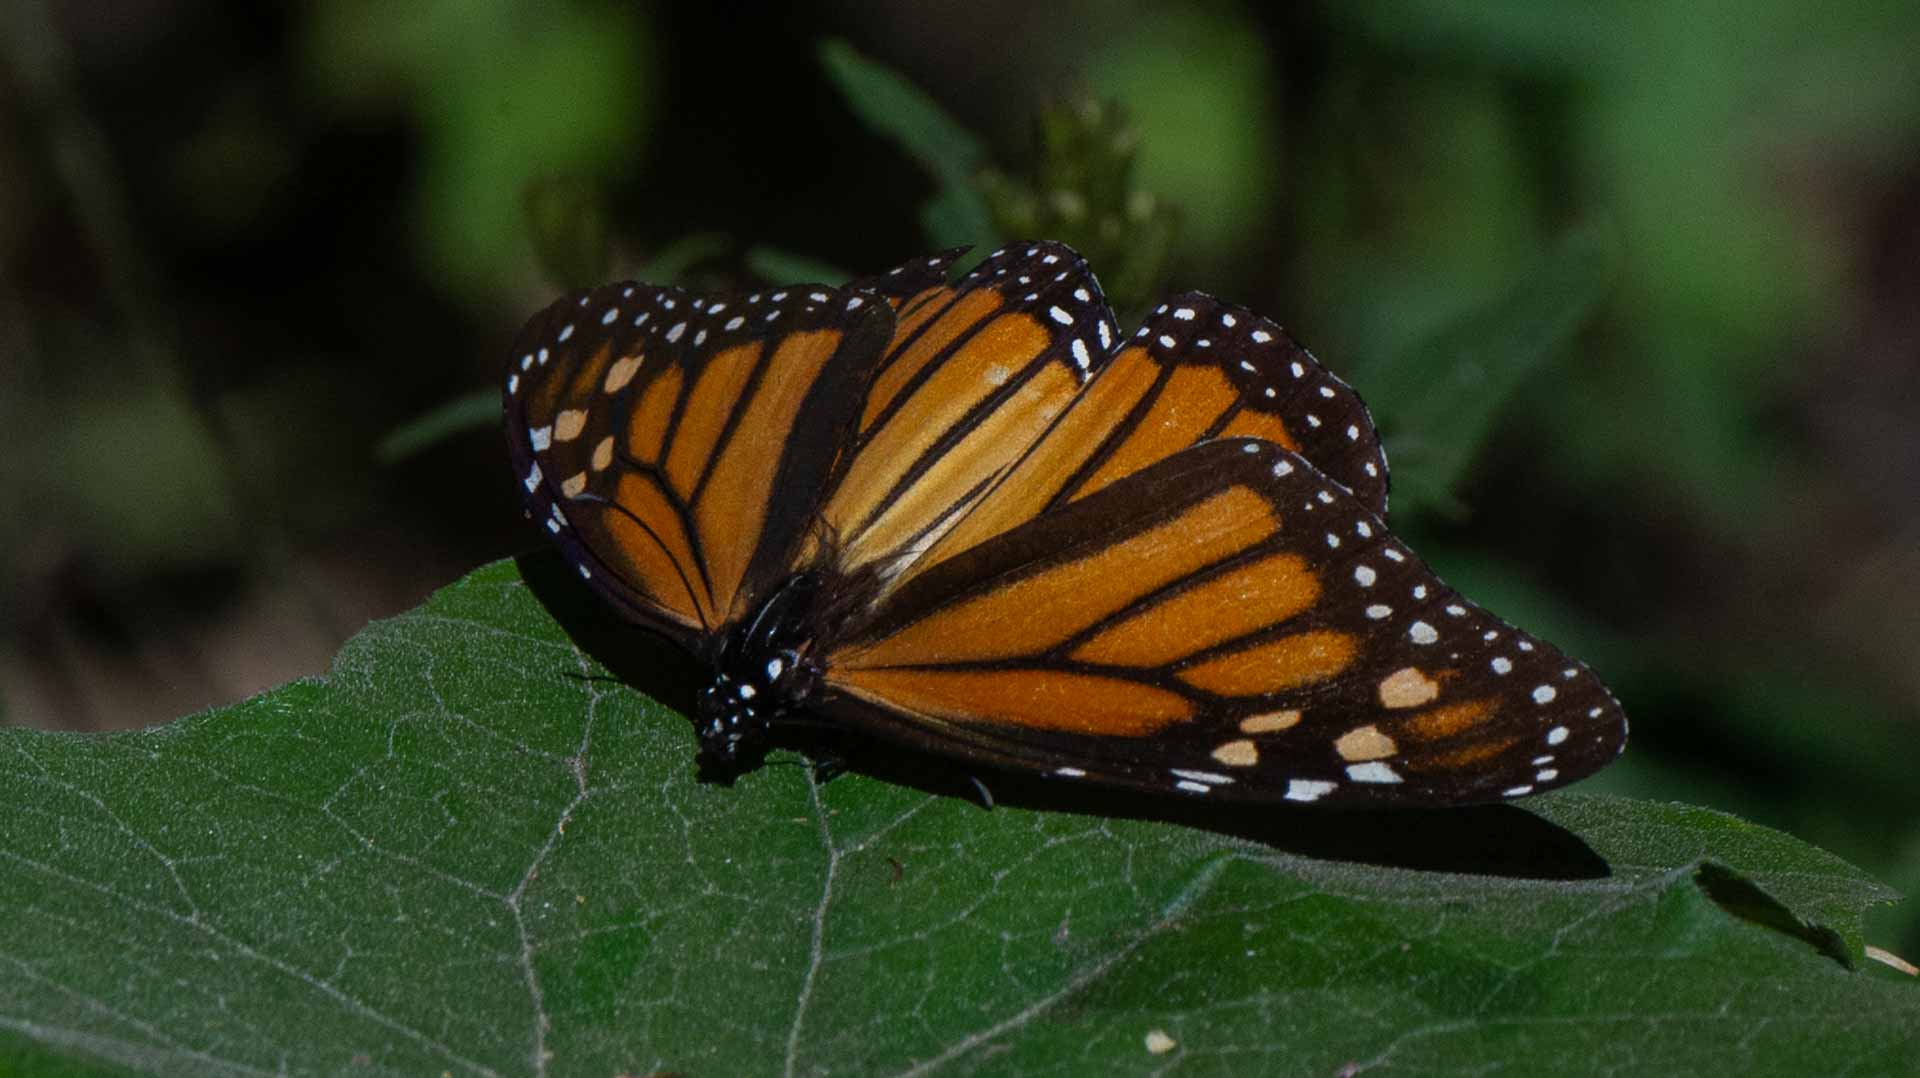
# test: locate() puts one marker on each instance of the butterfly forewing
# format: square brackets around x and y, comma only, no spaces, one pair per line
[974,373]
[1198,369]
[674,445]
[1226,621]
[910,285]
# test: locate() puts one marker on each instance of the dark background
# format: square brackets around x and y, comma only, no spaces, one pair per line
[242,244]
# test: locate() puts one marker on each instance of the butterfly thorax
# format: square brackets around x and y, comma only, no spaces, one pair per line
[763,672]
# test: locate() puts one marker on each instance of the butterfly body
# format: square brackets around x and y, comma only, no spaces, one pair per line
[764,672]
[971,519]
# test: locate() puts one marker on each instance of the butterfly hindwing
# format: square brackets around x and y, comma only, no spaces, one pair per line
[673,444]
[1226,621]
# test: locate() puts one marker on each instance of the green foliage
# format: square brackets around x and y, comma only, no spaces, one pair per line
[1692,122]
[897,108]
[468,849]
[1200,86]
[503,92]
[1083,193]
[469,411]
[1082,190]
[1437,399]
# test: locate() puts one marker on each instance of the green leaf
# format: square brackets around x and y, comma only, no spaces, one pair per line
[886,102]
[469,850]
[1438,400]
[468,411]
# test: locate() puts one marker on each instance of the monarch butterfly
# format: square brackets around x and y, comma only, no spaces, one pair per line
[968,517]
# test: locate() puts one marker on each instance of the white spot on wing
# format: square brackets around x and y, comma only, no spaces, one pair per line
[1308,789]
[1210,777]
[1373,771]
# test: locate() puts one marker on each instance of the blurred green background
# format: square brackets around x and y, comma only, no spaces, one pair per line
[1633,289]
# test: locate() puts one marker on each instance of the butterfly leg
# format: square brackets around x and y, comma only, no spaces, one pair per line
[828,768]
[986,795]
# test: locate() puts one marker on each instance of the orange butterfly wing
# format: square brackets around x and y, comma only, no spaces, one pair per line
[974,374]
[965,516]
[1225,621]
[1198,369]
[669,442]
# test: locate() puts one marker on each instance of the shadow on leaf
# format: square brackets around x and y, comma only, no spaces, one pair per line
[1743,898]
[1485,840]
